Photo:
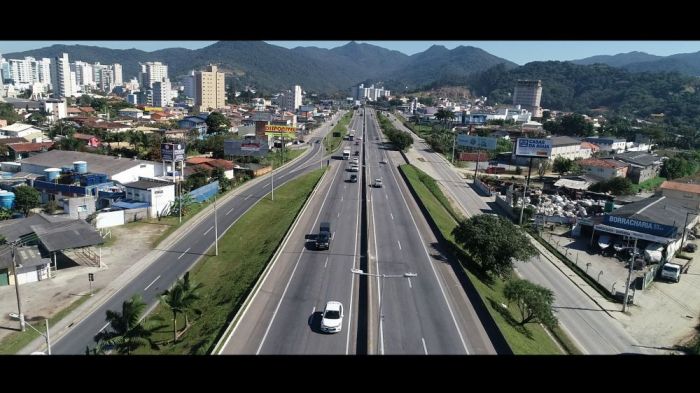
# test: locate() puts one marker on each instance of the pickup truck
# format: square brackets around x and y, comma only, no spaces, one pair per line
[323,240]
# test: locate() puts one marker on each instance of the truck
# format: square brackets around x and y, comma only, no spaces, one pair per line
[346,153]
[323,240]
[671,271]
[351,135]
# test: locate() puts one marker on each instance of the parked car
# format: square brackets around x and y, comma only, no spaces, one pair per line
[690,247]
[332,321]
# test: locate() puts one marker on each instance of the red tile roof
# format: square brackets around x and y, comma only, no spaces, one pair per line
[197,160]
[85,137]
[678,186]
[601,163]
[30,147]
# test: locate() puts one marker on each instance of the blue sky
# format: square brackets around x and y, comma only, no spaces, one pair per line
[520,52]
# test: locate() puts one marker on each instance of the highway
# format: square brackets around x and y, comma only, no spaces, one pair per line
[180,257]
[427,314]
[284,314]
[591,328]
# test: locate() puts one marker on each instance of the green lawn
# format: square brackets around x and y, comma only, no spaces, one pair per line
[289,154]
[14,342]
[531,339]
[651,184]
[333,142]
[244,251]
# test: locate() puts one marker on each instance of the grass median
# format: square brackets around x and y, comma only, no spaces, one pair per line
[244,252]
[531,339]
[332,142]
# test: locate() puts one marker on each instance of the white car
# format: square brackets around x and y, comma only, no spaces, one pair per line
[378,182]
[332,321]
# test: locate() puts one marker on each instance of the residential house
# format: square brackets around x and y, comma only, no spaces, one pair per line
[130,112]
[616,145]
[685,190]
[209,164]
[592,146]
[90,140]
[604,169]
[21,130]
[643,166]
[198,122]
[28,149]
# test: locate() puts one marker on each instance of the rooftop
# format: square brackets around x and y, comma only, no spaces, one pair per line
[638,158]
[147,184]
[558,141]
[29,146]
[658,209]
[97,163]
[18,127]
[595,162]
[681,186]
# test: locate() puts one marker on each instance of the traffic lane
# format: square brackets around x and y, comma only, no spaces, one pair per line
[592,328]
[254,321]
[322,276]
[80,336]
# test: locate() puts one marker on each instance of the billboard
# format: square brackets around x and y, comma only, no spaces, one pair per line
[530,147]
[474,141]
[172,151]
[651,228]
[270,128]
[247,147]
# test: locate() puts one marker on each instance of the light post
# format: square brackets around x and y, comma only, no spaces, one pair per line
[19,302]
[47,336]
[685,226]
[216,229]
[380,342]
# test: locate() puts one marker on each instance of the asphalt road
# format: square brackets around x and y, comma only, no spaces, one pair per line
[284,314]
[592,329]
[179,258]
[427,314]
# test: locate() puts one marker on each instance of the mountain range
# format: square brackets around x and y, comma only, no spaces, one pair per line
[684,63]
[270,67]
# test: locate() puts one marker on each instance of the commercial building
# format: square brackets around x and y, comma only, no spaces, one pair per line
[643,166]
[616,145]
[161,93]
[158,194]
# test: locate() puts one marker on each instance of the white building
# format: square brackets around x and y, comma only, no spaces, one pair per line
[83,74]
[61,77]
[371,93]
[616,145]
[117,74]
[45,71]
[568,147]
[20,130]
[161,93]
[152,72]
[56,108]
[130,112]
[292,99]
[157,193]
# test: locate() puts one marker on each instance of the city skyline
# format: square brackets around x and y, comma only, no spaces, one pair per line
[520,52]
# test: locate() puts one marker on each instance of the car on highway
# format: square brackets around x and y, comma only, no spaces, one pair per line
[332,320]
[353,178]
[382,161]
[378,182]
[357,152]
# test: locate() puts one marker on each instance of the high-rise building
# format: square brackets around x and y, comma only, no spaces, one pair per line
[117,74]
[4,69]
[152,72]
[161,93]
[44,71]
[21,70]
[210,91]
[83,74]
[106,83]
[528,94]
[189,84]
[61,77]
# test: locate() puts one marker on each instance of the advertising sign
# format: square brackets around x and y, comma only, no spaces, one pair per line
[247,147]
[530,147]
[651,228]
[477,142]
[172,151]
[284,129]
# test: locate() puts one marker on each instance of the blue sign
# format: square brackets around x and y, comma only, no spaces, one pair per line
[476,141]
[650,228]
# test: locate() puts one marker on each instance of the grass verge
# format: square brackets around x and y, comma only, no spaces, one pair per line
[529,339]
[333,142]
[244,251]
[14,342]
[651,184]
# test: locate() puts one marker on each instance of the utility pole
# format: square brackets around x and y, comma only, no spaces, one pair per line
[527,182]
[180,193]
[454,142]
[19,302]
[629,276]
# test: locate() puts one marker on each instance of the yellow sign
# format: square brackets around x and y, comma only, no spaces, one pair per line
[274,128]
[288,135]
[153,109]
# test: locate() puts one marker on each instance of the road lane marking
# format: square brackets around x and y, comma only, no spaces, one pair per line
[341,198]
[149,285]
[326,264]
[229,211]
[266,184]
[386,196]
[248,197]
[210,228]
[183,254]
[338,214]
[103,327]
[409,282]
[399,244]
[425,349]
[313,310]
[392,216]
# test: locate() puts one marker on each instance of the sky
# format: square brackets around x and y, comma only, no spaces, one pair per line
[520,52]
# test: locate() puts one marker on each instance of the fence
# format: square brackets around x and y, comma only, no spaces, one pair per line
[501,202]
[481,187]
[132,215]
[203,193]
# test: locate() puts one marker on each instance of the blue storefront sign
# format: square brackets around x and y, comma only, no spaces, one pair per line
[632,224]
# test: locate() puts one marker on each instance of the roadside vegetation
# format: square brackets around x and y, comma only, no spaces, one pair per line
[334,138]
[523,331]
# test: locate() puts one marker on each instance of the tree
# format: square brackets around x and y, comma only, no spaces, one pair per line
[493,242]
[217,123]
[678,166]
[620,186]
[85,100]
[26,199]
[126,330]
[543,166]
[5,214]
[562,165]
[7,112]
[198,179]
[444,116]
[180,299]
[220,175]
[533,301]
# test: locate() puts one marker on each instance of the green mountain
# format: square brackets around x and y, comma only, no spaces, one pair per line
[685,63]
[618,60]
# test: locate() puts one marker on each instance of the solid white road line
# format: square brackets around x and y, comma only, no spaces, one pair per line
[208,230]
[392,216]
[183,254]
[266,184]
[409,283]
[149,285]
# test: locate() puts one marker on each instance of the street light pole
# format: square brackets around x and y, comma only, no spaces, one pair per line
[216,229]
[47,336]
[629,276]
[380,342]
[19,302]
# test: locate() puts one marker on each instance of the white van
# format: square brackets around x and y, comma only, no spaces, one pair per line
[671,271]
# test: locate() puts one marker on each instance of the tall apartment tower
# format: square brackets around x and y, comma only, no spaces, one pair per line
[61,76]
[209,89]
[152,72]
[161,93]
[528,94]
[117,74]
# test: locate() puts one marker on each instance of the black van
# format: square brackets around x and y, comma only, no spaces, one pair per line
[323,241]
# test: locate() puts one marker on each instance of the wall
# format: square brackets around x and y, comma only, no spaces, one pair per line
[110,219]
[203,193]
[79,207]
[132,215]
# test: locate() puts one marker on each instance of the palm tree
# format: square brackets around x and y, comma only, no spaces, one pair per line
[444,115]
[180,299]
[127,331]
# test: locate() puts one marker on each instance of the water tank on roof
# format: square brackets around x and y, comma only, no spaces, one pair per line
[52,173]
[7,199]
[67,169]
[80,166]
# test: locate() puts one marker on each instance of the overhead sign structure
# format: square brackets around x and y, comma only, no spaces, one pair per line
[248,147]
[531,147]
[479,142]
[172,151]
